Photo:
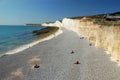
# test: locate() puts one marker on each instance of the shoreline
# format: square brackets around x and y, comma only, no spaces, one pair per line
[57,63]
[31,44]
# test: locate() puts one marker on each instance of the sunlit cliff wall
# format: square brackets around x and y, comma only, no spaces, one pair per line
[105,37]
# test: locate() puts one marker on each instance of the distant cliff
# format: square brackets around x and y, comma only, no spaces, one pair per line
[57,23]
[105,34]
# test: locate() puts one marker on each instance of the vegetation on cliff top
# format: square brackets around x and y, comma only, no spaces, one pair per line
[45,32]
[98,16]
[102,19]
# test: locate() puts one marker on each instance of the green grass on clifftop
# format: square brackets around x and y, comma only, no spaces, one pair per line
[100,19]
[45,32]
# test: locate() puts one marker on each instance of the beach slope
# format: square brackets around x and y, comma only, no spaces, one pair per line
[57,63]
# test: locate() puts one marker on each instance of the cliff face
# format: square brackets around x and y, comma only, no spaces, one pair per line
[105,37]
[57,23]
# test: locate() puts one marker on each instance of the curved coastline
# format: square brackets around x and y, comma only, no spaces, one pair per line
[31,44]
[54,57]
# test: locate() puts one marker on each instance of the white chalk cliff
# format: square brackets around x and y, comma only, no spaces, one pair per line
[104,37]
[57,24]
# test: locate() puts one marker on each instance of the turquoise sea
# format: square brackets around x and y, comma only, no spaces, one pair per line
[14,36]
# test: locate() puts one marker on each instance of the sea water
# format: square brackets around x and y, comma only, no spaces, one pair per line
[14,36]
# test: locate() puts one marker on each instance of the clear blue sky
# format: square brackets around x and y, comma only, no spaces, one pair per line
[38,11]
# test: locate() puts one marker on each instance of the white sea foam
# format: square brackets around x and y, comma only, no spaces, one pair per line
[26,46]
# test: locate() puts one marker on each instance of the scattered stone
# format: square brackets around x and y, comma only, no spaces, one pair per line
[72,52]
[90,44]
[81,37]
[77,62]
[36,66]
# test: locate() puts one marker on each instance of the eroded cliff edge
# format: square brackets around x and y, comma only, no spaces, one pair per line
[105,34]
